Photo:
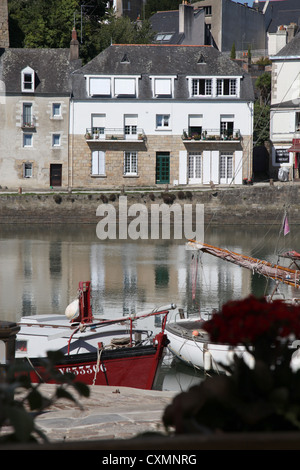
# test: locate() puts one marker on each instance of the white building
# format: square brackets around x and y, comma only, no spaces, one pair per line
[146,115]
[285,110]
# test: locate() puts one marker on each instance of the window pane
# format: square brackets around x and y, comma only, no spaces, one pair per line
[56,140]
[27,81]
[162,120]
[130,162]
[27,170]
[56,109]
[27,140]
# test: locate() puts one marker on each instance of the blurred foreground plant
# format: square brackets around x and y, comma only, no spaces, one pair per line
[263,396]
[21,401]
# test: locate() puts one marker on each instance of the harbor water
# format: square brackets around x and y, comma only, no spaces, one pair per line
[41,266]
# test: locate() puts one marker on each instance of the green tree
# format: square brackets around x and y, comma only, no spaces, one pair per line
[261,131]
[233,52]
[263,84]
[36,23]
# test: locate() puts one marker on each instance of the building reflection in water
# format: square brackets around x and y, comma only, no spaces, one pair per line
[41,267]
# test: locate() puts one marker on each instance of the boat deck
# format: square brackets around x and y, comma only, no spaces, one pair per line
[185,328]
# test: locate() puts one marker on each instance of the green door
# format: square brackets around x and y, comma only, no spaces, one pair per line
[162,168]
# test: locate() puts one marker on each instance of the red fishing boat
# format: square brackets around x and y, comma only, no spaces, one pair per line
[98,351]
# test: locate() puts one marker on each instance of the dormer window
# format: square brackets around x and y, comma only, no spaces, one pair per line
[162,87]
[27,80]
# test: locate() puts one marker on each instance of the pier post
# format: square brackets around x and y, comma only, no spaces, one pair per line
[8,333]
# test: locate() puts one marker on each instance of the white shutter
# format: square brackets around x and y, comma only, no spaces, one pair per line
[195,120]
[238,167]
[99,86]
[215,166]
[131,120]
[183,167]
[98,162]
[95,162]
[124,86]
[163,86]
[98,120]
[206,166]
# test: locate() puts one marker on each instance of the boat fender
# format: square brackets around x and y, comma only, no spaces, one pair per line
[72,310]
[206,360]
[195,333]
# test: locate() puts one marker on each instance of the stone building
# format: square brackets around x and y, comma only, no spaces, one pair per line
[34,117]
[146,115]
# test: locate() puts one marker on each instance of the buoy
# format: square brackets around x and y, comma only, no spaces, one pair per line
[72,310]
[195,333]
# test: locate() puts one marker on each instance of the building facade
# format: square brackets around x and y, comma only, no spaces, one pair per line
[285,111]
[34,117]
[150,115]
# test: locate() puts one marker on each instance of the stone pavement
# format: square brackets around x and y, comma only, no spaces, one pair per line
[108,413]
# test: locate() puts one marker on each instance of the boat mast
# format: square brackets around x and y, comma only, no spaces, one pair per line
[274,271]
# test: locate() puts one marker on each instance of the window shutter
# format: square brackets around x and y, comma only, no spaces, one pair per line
[100,86]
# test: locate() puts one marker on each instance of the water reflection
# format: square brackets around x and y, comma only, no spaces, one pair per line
[41,267]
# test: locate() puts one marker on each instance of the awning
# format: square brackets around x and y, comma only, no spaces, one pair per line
[294,148]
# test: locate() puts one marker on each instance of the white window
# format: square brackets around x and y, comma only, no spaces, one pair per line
[130,163]
[163,87]
[27,170]
[98,162]
[195,125]
[56,110]
[27,80]
[125,87]
[163,37]
[130,125]
[100,86]
[201,87]
[227,87]
[226,125]
[226,167]
[27,140]
[194,167]
[27,118]
[162,121]
[56,140]
[98,125]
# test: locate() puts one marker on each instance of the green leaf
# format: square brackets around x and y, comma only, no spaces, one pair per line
[21,421]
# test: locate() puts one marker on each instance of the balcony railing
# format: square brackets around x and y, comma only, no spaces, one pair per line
[28,122]
[125,133]
[211,135]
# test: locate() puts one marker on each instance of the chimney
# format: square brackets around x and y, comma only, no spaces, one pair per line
[74,46]
[291,31]
[186,18]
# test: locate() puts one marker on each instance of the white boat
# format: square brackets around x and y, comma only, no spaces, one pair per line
[190,343]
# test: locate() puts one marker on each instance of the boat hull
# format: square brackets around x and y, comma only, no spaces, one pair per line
[198,351]
[123,367]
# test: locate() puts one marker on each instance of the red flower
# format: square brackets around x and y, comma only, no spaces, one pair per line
[248,320]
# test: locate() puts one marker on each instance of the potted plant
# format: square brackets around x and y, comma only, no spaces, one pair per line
[261,396]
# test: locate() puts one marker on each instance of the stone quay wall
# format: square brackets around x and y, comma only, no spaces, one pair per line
[239,205]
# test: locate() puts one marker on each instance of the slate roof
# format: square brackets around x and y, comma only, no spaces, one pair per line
[52,69]
[156,59]
[167,22]
[284,12]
